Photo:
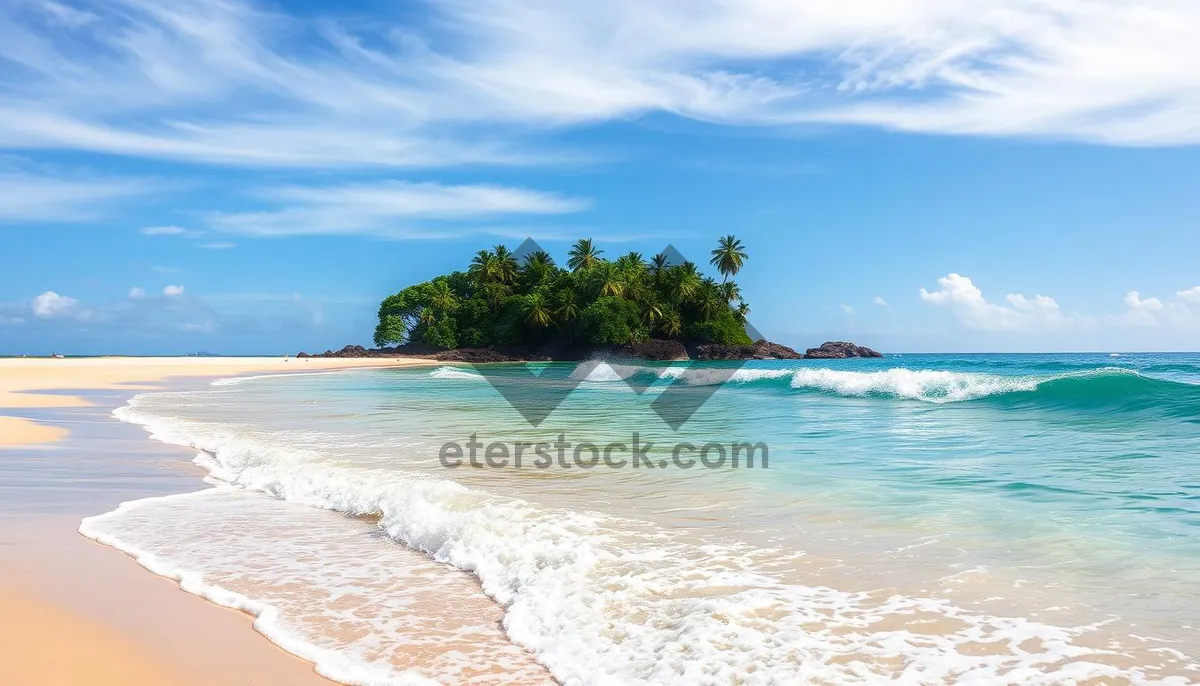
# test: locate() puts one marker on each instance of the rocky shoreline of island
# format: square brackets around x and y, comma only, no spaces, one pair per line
[662,350]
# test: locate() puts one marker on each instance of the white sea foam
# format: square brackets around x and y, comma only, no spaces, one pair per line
[926,385]
[604,600]
[308,574]
[455,373]
[235,380]
[333,664]
[672,372]
[601,371]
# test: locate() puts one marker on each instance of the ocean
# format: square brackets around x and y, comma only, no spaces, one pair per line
[920,519]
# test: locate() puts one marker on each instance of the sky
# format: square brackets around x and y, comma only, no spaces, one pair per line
[246,177]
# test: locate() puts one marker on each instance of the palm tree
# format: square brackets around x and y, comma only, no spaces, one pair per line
[583,255]
[658,263]
[566,306]
[652,311]
[657,267]
[607,279]
[630,261]
[536,311]
[743,311]
[539,259]
[441,298]
[482,266]
[709,299]
[506,264]
[729,256]
[685,282]
[730,291]
[537,267]
[672,324]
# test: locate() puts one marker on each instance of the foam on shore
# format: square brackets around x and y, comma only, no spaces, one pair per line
[598,599]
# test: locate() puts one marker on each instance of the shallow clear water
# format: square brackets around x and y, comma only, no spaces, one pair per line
[923,519]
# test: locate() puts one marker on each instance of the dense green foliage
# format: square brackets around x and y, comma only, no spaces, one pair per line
[499,301]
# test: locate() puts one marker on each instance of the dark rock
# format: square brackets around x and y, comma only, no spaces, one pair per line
[357,351]
[477,355]
[837,350]
[760,350]
[654,349]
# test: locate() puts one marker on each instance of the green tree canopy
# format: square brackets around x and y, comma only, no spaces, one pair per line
[501,300]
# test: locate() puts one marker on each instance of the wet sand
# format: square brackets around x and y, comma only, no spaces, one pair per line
[17,431]
[75,612]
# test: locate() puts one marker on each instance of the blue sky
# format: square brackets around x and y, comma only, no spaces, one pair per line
[243,177]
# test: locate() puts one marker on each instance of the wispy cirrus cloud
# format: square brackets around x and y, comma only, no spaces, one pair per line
[44,196]
[233,82]
[169,230]
[386,208]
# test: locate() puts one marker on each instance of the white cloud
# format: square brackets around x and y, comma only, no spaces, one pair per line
[157,314]
[171,291]
[67,16]
[1042,313]
[1150,312]
[392,208]
[846,309]
[1022,314]
[221,81]
[167,231]
[878,300]
[1136,302]
[218,245]
[1142,311]
[50,304]
[41,197]
[136,293]
[1191,295]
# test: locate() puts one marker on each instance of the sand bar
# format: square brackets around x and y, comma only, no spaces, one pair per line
[16,431]
[24,381]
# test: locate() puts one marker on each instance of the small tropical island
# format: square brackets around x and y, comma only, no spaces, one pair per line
[510,308]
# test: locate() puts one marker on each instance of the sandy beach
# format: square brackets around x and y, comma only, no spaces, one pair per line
[76,612]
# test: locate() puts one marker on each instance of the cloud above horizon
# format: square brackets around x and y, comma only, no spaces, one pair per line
[385,208]
[228,82]
[1042,313]
[65,196]
[49,305]
[147,314]
[244,84]
[966,300]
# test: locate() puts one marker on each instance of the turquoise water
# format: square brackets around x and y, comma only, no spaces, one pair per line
[923,518]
